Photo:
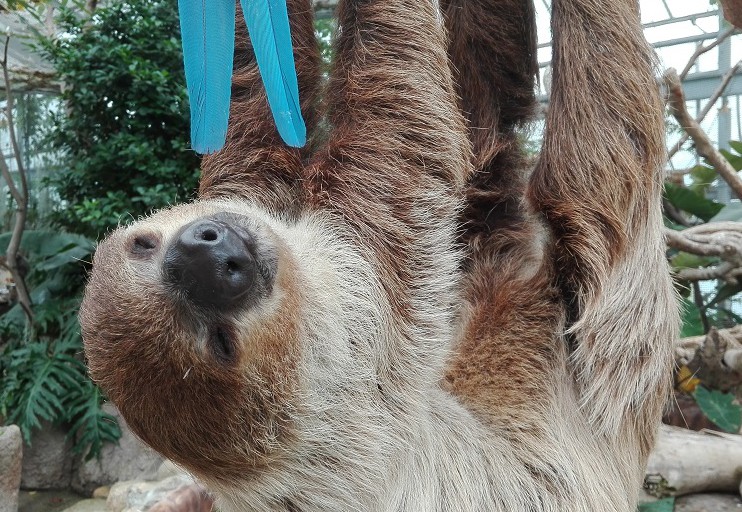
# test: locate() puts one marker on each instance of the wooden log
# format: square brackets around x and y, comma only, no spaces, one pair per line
[686,462]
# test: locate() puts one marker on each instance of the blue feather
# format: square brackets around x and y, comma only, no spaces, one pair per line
[207,30]
[268,25]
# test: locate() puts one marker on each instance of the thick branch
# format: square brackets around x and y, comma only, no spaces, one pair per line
[688,462]
[706,274]
[718,239]
[701,140]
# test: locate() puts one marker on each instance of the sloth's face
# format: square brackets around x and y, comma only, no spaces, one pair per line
[190,320]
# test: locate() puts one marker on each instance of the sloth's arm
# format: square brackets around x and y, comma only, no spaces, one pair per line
[255,163]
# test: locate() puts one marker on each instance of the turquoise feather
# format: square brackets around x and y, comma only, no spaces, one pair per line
[268,26]
[207,31]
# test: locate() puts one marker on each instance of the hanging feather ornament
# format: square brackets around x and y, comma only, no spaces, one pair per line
[208,53]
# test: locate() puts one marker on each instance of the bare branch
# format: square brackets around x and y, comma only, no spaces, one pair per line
[25,79]
[718,239]
[674,213]
[705,274]
[726,244]
[701,140]
[20,196]
[709,104]
[703,49]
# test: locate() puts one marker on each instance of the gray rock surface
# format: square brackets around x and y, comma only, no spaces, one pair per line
[47,463]
[709,503]
[138,495]
[189,498]
[11,456]
[88,506]
[130,459]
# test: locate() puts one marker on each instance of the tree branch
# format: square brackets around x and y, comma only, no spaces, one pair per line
[20,196]
[703,49]
[701,140]
[709,104]
[718,239]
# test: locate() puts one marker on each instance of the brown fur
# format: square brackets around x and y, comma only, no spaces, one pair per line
[253,152]
[393,366]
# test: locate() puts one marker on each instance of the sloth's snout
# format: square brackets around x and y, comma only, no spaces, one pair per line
[213,263]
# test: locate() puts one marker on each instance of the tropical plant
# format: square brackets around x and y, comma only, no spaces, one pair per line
[123,132]
[43,374]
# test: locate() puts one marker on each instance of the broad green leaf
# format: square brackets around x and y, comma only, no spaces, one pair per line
[720,408]
[692,325]
[45,243]
[687,260]
[74,254]
[734,160]
[701,178]
[691,202]
[663,505]
[736,146]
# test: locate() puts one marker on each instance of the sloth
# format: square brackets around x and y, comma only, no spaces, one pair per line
[410,313]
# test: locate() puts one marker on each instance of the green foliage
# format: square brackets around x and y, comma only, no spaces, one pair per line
[323,31]
[47,381]
[720,408]
[692,202]
[692,325]
[42,376]
[124,132]
[690,198]
[664,505]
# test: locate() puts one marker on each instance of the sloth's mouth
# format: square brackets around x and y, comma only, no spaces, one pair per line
[221,344]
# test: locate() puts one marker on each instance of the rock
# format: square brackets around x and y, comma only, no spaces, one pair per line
[87,506]
[11,457]
[137,495]
[47,463]
[101,492]
[708,503]
[128,460]
[189,498]
[167,469]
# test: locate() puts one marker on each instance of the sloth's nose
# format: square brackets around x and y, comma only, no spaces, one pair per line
[211,263]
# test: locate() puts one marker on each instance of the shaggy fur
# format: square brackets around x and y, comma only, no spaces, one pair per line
[444,331]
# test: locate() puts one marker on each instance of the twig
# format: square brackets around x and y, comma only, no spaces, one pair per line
[674,213]
[701,140]
[703,49]
[709,104]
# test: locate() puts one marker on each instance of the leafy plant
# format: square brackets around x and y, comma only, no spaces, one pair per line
[42,376]
[124,130]
[46,381]
[720,408]
[664,505]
